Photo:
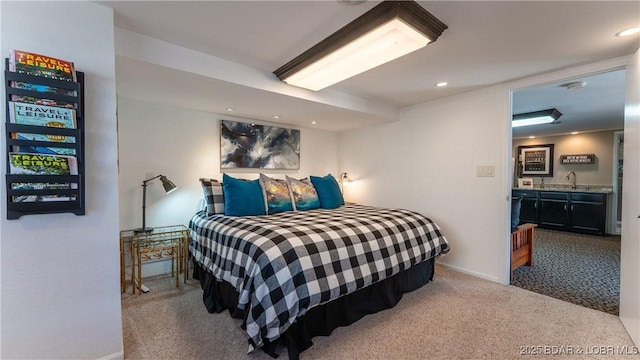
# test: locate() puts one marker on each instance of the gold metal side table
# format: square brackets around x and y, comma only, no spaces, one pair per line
[164,242]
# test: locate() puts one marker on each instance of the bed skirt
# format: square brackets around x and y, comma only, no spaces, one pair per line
[323,319]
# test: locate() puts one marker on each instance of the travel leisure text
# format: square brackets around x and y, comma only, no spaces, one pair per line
[31,111]
[43,62]
[30,160]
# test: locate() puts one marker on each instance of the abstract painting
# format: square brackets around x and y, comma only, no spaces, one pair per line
[246,145]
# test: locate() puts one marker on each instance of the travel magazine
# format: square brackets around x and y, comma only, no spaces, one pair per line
[42,164]
[41,65]
[42,115]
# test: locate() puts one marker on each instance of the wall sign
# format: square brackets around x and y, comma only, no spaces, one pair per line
[578,159]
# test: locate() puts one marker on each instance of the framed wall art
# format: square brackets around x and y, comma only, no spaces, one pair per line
[536,160]
[247,145]
[525,183]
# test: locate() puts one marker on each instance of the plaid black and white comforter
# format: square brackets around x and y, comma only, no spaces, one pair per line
[286,263]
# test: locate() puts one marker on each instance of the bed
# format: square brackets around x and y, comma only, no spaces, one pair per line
[297,274]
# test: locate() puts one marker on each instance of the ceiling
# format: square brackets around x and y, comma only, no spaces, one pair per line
[486,43]
[599,105]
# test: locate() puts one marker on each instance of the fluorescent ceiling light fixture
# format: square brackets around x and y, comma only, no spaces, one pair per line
[536,118]
[628,32]
[386,32]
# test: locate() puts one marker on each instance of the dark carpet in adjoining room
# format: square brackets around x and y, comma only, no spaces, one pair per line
[577,268]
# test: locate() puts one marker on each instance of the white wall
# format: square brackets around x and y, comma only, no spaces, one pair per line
[630,250]
[60,272]
[427,162]
[599,143]
[184,145]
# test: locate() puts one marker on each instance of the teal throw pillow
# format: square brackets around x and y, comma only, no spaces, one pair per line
[516,204]
[242,197]
[276,195]
[328,191]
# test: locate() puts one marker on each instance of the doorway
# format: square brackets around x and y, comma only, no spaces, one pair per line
[592,109]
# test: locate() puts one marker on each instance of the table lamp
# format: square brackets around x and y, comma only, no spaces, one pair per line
[168,185]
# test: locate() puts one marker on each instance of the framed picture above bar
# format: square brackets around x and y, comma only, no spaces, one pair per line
[536,160]
[578,159]
[247,145]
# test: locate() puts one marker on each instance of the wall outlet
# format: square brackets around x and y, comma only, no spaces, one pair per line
[485,171]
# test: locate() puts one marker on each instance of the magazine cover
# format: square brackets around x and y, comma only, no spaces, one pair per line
[42,186]
[42,164]
[44,149]
[41,115]
[42,88]
[41,65]
[41,101]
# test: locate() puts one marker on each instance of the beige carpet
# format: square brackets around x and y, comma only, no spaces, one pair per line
[456,316]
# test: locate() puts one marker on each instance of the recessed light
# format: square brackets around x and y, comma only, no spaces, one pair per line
[313,122]
[351,2]
[575,133]
[230,109]
[532,137]
[574,85]
[628,32]
[276,116]
[441,84]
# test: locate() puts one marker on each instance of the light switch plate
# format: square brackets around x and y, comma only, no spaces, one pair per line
[485,171]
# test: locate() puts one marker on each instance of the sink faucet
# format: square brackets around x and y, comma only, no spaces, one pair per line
[573,184]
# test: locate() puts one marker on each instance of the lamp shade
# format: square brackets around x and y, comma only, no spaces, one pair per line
[168,185]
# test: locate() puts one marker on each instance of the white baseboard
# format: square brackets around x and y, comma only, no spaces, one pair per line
[472,273]
[115,356]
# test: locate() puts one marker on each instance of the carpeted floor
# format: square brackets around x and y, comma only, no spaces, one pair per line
[456,316]
[581,269]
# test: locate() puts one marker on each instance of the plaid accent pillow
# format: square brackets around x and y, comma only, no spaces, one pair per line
[213,196]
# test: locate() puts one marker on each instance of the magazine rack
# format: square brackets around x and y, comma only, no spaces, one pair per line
[76,204]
